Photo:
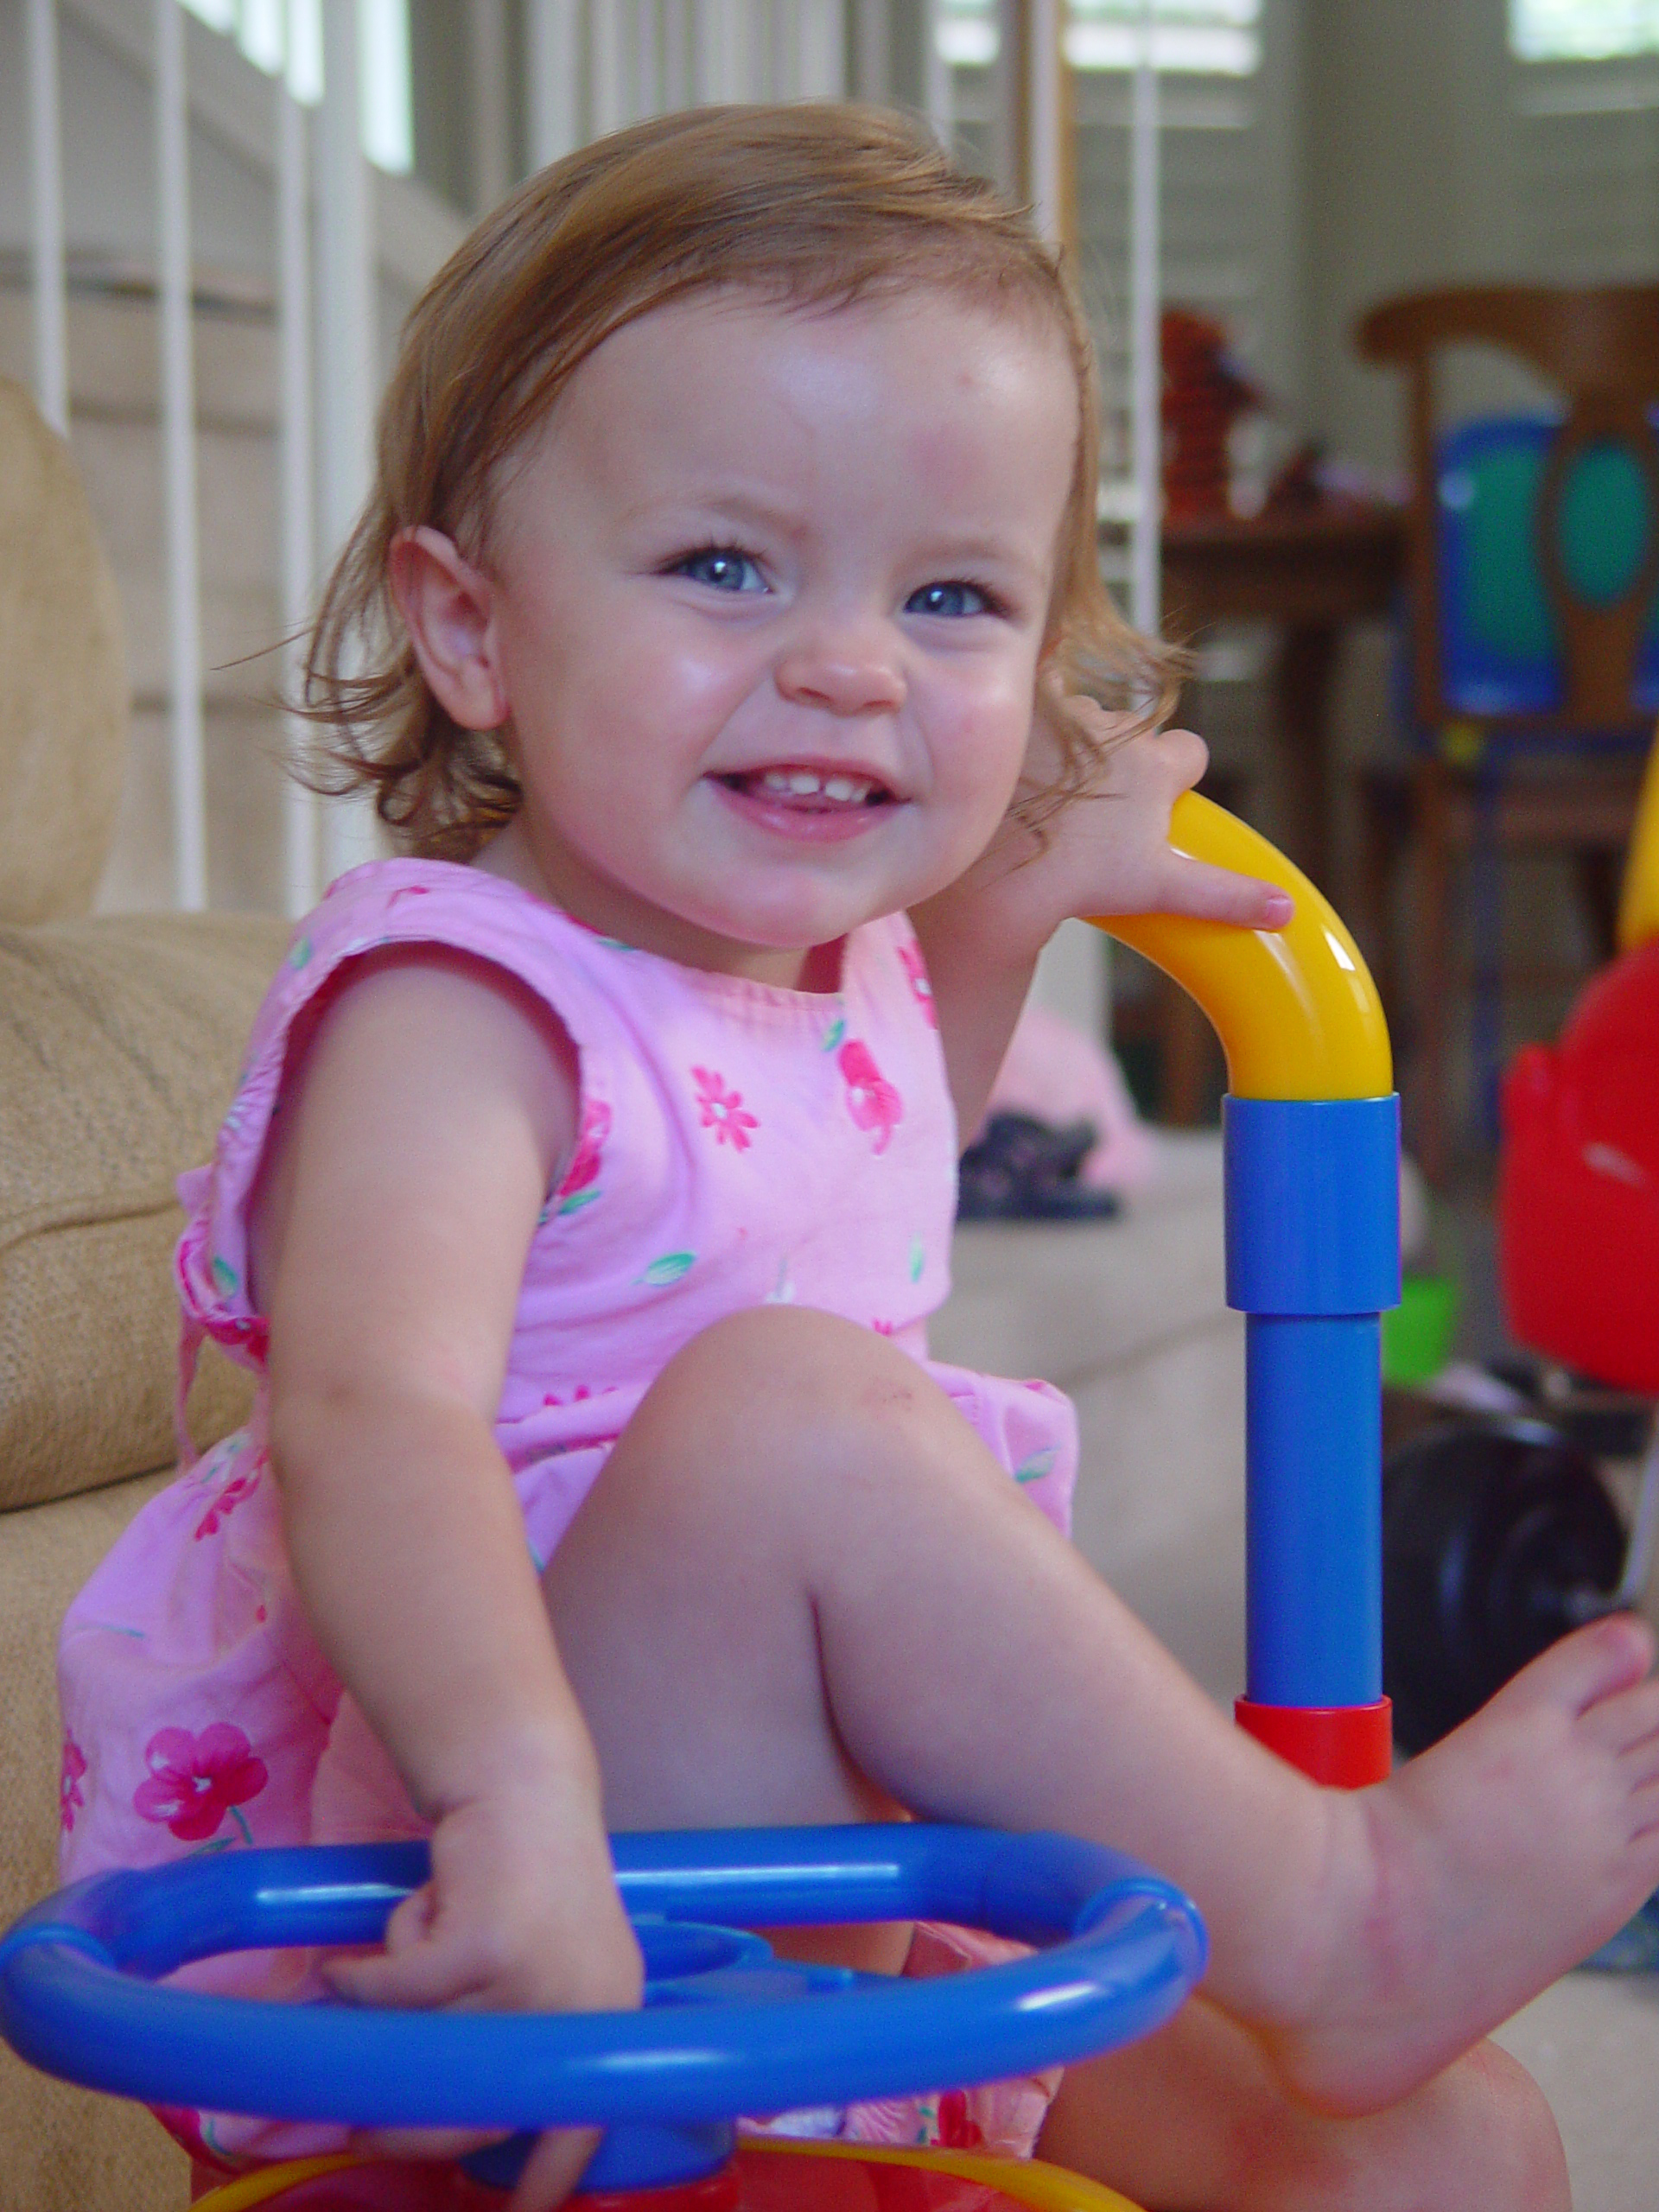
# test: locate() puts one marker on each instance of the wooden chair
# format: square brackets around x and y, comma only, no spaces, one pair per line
[1531,726]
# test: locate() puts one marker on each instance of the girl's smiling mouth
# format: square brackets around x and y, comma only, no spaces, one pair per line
[795,800]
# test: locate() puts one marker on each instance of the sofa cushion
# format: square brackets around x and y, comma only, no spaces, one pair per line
[63,680]
[119,1046]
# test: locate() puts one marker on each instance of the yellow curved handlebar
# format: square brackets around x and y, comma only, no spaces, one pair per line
[1296,1010]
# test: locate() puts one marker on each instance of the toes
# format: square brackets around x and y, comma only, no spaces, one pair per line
[1626,1720]
[1591,1664]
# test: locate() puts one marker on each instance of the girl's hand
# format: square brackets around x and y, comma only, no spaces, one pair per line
[521,1914]
[1108,852]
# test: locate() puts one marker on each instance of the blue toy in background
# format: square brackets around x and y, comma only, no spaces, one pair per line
[1312,1153]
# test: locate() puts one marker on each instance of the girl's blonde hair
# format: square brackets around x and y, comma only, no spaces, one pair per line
[812,205]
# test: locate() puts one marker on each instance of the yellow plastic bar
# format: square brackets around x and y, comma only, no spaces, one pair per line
[1030,2182]
[1638,908]
[261,2184]
[1295,1009]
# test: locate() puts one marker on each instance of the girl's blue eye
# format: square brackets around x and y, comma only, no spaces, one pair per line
[952,599]
[723,568]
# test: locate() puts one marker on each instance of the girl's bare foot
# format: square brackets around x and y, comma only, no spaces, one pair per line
[1483,1869]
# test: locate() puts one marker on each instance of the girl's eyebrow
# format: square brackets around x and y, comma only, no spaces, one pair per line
[744,509]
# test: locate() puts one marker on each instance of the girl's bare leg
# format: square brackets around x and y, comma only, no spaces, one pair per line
[802,1587]
[1195,2119]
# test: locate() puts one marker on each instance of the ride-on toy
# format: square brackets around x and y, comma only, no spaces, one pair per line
[1311,1149]
[1500,1535]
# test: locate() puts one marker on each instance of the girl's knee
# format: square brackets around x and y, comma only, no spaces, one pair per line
[794,1368]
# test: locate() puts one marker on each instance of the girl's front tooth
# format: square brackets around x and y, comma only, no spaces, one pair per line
[802,781]
[840,787]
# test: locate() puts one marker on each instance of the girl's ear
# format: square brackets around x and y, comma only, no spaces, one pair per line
[449,608]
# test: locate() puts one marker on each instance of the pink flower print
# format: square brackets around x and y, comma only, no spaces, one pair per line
[871,1100]
[910,958]
[226,1502]
[195,1780]
[583,1170]
[70,1771]
[958,2128]
[723,1111]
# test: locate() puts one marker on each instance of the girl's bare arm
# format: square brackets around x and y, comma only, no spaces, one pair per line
[420,1135]
[1107,852]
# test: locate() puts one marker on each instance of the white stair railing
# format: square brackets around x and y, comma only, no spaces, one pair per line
[301,856]
[185,757]
[46,216]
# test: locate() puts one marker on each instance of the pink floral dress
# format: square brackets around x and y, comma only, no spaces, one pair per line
[739,1144]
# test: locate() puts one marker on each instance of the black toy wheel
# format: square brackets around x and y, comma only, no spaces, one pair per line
[1498,1538]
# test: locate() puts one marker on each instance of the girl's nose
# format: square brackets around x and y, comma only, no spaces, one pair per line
[848,670]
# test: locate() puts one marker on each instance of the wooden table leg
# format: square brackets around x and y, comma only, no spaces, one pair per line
[1303,669]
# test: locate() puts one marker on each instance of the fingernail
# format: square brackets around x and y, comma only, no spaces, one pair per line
[1277,909]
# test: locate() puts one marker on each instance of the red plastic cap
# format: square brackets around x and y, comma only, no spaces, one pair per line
[1344,1746]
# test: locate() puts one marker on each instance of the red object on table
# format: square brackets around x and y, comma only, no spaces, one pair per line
[1203,394]
[1579,1187]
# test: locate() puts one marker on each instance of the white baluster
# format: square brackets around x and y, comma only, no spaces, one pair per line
[345,365]
[678,91]
[874,49]
[296,462]
[609,70]
[551,38]
[939,89]
[822,37]
[648,97]
[174,307]
[783,38]
[721,50]
[1043,115]
[1146,427]
[47,279]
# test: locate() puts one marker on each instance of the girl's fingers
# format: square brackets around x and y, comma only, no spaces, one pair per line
[553,2170]
[1217,895]
[447,2142]
[418,1977]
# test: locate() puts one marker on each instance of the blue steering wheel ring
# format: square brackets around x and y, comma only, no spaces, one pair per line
[79,1974]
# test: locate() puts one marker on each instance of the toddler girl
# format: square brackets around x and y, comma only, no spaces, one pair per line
[713,641]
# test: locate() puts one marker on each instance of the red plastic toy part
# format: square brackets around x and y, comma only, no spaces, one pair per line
[1579,1192]
[1344,1746]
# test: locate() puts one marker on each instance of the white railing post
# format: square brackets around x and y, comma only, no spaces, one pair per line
[296,462]
[938,92]
[551,39]
[47,277]
[784,50]
[173,307]
[346,347]
[1146,423]
[872,28]
[824,49]
[648,59]
[609,89]
[721,25]
[678,89]
[1043,117]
